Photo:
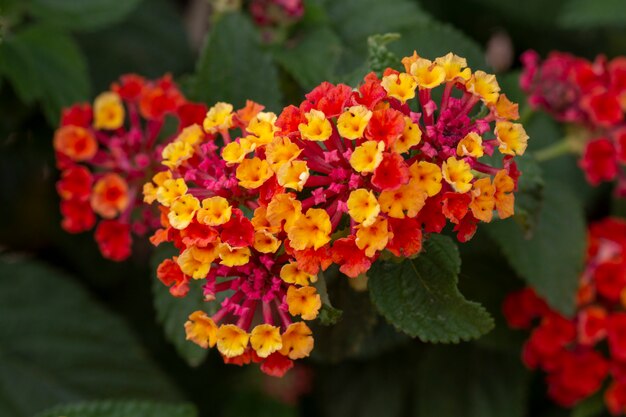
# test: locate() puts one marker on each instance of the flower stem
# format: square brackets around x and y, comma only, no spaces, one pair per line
[554,150]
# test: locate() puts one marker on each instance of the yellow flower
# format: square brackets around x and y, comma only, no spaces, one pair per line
[458,174]
[411,136]
[175,153]
[252,173]
[470,145]
[170,190]
[317,127]
[262,128]
[293,175]
[235,152]
[310,230]
[367,156]
[512,138]
[281,151]
[401,86]
[291,274]
[297,341]
[303,301]
[196,262]
[483,200]
[182,211]
[506,109]
[201,329]
[149,189]
[454,66]
[265,339]
[219,117]
[261,222]
[484,85]
[191,134]
[426,176]
[265,242]
[373,238]
[505,200]
[408,197]
[363,206]
[427,74]
[215,211]
[352,123]
[231,340]
[284,208]
[108,111]
[233,256]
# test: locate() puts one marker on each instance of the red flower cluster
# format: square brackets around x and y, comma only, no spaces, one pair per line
[590,94]
[107,151]
[578,354]
[276,12]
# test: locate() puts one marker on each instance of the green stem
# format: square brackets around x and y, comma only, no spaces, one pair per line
[526,115]
[554,150]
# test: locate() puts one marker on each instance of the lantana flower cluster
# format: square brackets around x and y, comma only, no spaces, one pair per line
[591,95]
[107,151]
[579,354]
[259,204]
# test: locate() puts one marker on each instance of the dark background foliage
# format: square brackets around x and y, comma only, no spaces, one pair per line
[75,327]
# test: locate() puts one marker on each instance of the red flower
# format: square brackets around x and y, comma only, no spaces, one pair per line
[591,325]
[522,307]
[289,120]
[77,115]
[75,183]
[351,259]
[616,330]
[579,375]
[386,125]
[604,109]
[327,98]
[129,87]
[170,275]
[610,280]
[599,161]
[276,365]
[191,113]
[407,237]
[455,206]
[238,232]
[113,239]
[391,173]
[77,216]
[615,398]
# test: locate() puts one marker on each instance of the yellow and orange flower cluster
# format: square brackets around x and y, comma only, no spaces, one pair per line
[259,203]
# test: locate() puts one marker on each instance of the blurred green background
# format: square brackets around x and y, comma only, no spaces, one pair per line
[75,327]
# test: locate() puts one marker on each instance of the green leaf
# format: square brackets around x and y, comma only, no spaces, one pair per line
[583,14]
[432,39]
[420,296]
[58,345]
[83,14]
[551,262]
[356,20]
[121,409]
[250,403]
[530,194]
[233,67]
[139,44]
[465,381]
[312,58]
[371,388]
[590,407]
[173,312]
[45,65]
[379,57]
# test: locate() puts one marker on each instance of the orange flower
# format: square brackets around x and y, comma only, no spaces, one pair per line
[109,196]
